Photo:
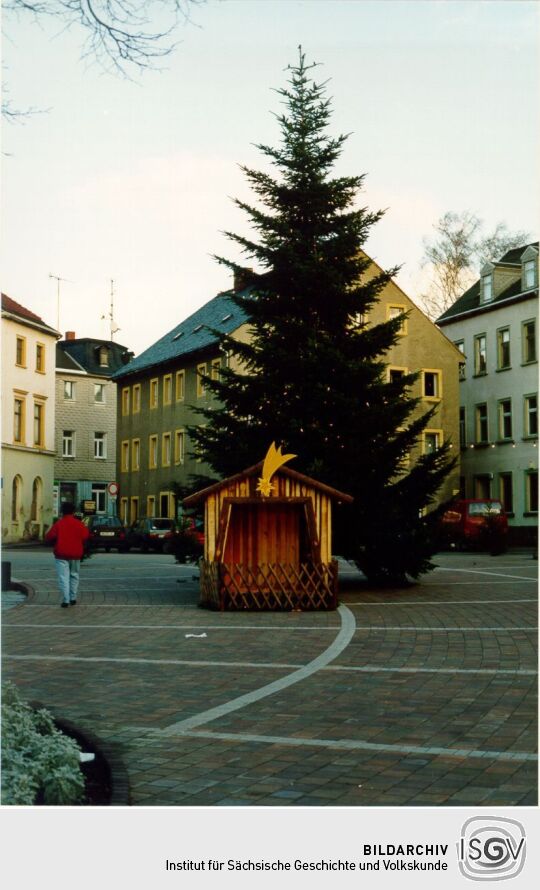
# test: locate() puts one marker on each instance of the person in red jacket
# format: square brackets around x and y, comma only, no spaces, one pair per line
[68,535]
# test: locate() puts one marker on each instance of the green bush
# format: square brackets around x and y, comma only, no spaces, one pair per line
[39,763]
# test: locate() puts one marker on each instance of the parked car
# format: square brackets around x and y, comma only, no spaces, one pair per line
[105,531]
[470,524]
[152,533]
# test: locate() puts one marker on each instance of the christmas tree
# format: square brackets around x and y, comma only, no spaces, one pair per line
[312,376]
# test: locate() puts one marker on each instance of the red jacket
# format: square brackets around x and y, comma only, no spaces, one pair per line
[69,535]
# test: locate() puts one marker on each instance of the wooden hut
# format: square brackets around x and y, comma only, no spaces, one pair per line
[268,545]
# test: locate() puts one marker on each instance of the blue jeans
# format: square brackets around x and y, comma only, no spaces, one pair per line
[67,572]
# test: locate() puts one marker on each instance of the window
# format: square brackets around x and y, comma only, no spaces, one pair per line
[529,341]
[16,491]
[531,415]
[134,509]
[432,441]
[461,346]
[124,510]
[125,401]
[166,450]
[481,418]
[68,443]
[529,274]
[180,385]
[393,311]
[480,354]
[100,445]
[124,456]
[164,503]
[19,406]
[150,505]
[431,384]
[503,348]
[396,374]
[531,492]
[135,455]
[103,357]
[39,424]
[37,500]
[137,398]
[487,288]
[201,371]
[462,428]
[69,390]
[179,445]
[215,368]
[506,494]
[40,358]
[99,392]
[20,352]
[152,452]
[505,419]
[99,496]
[167,389]
[154,393]
[482,487]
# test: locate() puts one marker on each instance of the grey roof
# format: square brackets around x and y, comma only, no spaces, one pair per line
[84,351]
[65,362]
[191,335]
[470,300]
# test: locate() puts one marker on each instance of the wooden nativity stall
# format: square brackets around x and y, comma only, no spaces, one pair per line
[268,550]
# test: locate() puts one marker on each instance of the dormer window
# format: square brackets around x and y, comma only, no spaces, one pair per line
[103,357]
[529,274]
[487,288]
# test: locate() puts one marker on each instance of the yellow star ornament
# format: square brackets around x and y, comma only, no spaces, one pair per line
[273,461]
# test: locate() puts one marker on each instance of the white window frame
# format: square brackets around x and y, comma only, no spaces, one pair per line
[68,439]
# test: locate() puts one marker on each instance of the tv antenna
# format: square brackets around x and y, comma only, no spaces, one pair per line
[58,280]
[113,326]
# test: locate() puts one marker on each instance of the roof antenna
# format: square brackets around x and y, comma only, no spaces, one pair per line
[58,280]
[113,326]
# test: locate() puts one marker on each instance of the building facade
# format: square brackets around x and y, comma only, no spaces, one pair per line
[158,394]
[161,389]
[495,325]
[86,411]
[28,361]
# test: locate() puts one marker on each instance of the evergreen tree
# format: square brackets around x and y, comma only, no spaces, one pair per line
[313,375]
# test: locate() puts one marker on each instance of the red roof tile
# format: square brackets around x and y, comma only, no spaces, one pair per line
[10,305]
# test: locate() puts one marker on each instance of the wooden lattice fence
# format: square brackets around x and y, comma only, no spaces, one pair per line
[275,586]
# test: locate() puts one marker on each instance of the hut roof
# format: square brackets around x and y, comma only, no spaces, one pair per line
[257,468]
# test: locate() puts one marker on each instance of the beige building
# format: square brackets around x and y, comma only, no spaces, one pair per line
[423,349]
[28,363]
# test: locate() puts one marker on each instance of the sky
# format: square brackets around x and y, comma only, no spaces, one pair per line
[132,180]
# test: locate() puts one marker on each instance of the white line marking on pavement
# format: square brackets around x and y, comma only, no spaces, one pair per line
[443,602]
[333,629]
[367,669]
[359,745]
[493,574]
[421,629]
[340,643]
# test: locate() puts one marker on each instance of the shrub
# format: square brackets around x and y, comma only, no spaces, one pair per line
[39,763]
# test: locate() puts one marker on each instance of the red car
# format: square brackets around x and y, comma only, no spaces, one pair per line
[473,523]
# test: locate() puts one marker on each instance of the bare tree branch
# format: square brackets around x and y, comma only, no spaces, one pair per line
[457,253]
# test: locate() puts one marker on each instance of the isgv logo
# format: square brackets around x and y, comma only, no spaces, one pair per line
[491,848]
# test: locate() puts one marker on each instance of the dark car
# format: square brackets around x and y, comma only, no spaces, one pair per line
[470,524]
[151,534]
[107,532]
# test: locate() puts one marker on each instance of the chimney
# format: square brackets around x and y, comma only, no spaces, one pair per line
[70,335]
[242,278]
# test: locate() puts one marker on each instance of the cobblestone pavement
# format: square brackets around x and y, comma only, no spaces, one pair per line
[425,696]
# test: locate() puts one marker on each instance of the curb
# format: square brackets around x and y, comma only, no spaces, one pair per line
[118,776]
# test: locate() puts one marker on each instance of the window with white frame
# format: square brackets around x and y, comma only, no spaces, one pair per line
[68,443]
[531,415]
[480,354]
[461,346]
[529,274]
[69,390]
[99,392]
[99,495]
[100,445]
[503,348]
[432,441]
[505,419]
[487,288]
[529,341]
